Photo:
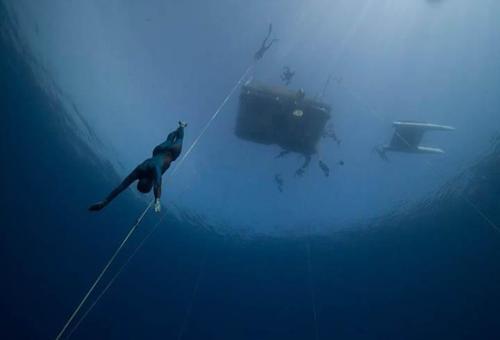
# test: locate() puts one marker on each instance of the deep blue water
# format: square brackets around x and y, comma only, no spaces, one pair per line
[431,273]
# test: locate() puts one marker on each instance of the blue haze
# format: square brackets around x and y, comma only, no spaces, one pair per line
[405,250]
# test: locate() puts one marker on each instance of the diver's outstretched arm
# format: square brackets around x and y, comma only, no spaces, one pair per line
[179,138]
[133,176]
[171,136]
[180,131]
[177,133]
[174,135]
[174,139]
[268,35]
[157,183]
[157,188]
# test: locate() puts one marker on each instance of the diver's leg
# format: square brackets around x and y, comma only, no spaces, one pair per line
[271,43]
[268,35]
[282,153]
[134,175]
[176,146]
[335,138]
[279,182]
[300,172]
[324,168]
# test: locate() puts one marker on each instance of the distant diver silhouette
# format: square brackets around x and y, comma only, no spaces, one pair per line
[326,170]
[302,170]
[265,46]
[330,133]
[278,179]
[149,173]
[287,75]
[381,153]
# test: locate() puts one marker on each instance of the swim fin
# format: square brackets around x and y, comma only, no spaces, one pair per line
[97,206]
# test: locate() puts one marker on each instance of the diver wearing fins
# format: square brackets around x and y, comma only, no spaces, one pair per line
[149,173]
[278,179]
[287,75]
[264,47]
[330,133]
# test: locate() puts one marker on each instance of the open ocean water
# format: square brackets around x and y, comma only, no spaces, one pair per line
[430,270]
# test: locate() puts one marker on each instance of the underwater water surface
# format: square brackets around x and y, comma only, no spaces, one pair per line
[402,250]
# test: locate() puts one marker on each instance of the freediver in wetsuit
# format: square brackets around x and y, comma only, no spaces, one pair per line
[330,133]
[278,179]
[287,75]
[302,170]
[264,47]
[326,170]
[148,173]
[381,152]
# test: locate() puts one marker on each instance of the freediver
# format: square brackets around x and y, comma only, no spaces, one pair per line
[302,170]
[326,170]
[287,75]
[278,179]
[381,152]
[264,47]
[148,173]
[330,133]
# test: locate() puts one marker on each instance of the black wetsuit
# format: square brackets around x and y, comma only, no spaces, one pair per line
[287,75]
[149,172]
[264,47]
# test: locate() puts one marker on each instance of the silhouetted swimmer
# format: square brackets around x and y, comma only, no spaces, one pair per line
[330,133]
[279,182]
[283,153]
[148,173]
[287,75]
[265,46]
[324,168]
[302,170]
[381,152]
